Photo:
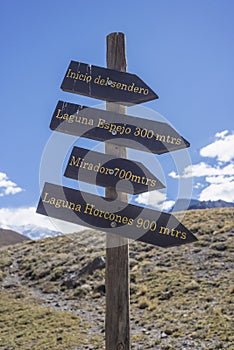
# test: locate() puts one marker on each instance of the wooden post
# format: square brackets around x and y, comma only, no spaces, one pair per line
[117,323]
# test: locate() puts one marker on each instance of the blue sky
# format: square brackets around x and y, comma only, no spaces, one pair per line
[182,49]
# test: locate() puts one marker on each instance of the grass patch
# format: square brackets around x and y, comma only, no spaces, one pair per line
[26,325]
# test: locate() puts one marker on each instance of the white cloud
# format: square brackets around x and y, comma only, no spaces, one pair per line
[204,169]
[219,177]
[7,186]
[222,147]
[167,205]
[15,217]
[216,191]
[222,134]
[155,199]
[198,185]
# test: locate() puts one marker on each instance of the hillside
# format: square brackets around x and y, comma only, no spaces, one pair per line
[189,204]
[8,237]
[52,291]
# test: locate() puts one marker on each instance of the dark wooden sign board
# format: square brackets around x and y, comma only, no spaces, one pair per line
[133,132]
[126,220]
[105,170]
[106,84]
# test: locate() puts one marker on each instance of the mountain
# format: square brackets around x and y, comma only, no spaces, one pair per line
[35,232]
[52,291]
[186,204]
[8,237]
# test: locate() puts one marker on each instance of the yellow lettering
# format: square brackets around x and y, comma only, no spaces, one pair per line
[106,215]
[58,114]
[44,199]
[88,79]
[124,220]
[74,75]
[78,207]
[164,230]
[111,217]
[130,87]
[136,178]
[147,181]
[74,161]
[101,123]
[130,221]
[58,203]
[88,209]
[52,200]
[160,138]
[70,119]
[96,80]
[68,73]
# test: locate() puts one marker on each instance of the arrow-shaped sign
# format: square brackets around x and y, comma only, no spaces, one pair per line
[124,130]
[127,220]
[106,84]
[107,171]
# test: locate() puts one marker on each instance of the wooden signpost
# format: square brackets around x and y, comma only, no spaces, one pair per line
[137,133]
[106,84]
[121,220]
[104,170]
[117,280]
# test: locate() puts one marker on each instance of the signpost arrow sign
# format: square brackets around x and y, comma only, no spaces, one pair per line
[137,133]
[104,170]
[127,220]
[106,84]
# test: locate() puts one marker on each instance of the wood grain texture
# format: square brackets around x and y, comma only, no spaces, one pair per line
[117,323]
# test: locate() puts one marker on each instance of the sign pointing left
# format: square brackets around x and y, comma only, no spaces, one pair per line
[106,84]
[127,220]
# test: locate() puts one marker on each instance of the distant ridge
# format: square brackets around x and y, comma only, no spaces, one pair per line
[8,237]
[186,204]
[33,231]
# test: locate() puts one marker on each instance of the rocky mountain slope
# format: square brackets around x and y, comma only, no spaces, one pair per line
[52,291]
[8,237]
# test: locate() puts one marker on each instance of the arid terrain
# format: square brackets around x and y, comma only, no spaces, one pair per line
[52,291]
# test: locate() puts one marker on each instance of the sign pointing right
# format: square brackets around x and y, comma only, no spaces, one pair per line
[106,84]
[113,216]
[137,133]
[105,170]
